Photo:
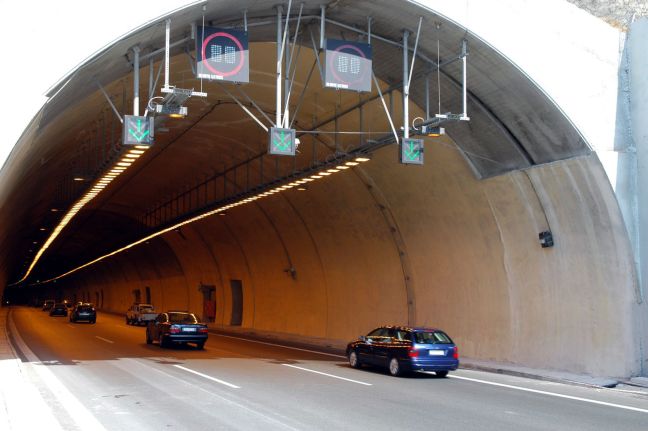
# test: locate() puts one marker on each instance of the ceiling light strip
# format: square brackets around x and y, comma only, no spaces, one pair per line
[219,210]
[126,160]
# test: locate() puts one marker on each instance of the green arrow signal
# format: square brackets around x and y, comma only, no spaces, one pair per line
[413,152]
[139,135]
[283,144]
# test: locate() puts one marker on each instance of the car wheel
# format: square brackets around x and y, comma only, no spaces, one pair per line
[395,368]
[441,373]
[200,346]
[127,321]
[93,321]
[353,360]
[163,342]
[149,340]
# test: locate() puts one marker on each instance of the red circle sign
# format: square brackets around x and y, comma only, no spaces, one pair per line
[334,57]
[214,70]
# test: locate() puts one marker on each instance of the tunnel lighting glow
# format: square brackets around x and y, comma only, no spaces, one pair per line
[342,167]
[93,191]
[79,179]
[218,211]
[42,229]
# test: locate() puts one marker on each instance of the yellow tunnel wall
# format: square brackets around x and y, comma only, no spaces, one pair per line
[464,253]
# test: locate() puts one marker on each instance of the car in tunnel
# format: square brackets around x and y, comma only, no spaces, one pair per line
[85,312]
[403,349]
[176,327]
[59,309]
[48,304]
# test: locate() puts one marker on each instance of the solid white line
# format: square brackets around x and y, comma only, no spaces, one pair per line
[222,382]
[281,345]
[553,394]
[104,339]
[329,375]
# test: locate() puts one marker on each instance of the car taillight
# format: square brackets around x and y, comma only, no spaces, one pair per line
[455,354]
[412,352]
[174,329]
[202,330]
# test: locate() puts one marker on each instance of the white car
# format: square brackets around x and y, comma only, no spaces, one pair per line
[140,314]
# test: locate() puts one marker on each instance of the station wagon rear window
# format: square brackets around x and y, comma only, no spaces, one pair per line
[436,337]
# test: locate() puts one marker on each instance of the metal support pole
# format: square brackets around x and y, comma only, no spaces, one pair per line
[245,20]
[166,54]
[279,68]
[322,23]
[151,87]
[464,54]
[405,86]
[136,76]
[112,105]
[427,96]
[369,30]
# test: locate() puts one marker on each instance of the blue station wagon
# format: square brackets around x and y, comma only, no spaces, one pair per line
[402,349]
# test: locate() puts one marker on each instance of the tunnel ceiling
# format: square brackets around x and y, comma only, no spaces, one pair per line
[218,145]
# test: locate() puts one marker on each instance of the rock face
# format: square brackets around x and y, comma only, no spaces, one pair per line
[618,13]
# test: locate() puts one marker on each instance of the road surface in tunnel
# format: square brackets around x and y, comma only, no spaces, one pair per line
[113,380]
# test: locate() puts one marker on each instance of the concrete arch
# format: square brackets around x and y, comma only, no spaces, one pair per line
[453,243]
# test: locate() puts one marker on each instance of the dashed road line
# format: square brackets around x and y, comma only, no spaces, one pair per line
[105,339]
[328,375]
[222,382]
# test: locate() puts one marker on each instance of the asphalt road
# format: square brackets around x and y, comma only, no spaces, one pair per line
[105,376]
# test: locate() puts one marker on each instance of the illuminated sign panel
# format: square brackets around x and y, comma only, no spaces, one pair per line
[348,65]
[138,130]
[222,54]
[282,141]
[411,151]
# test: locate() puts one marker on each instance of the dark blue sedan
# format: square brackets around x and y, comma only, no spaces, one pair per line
[402,349]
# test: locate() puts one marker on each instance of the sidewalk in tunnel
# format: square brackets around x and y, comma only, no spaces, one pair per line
[22,405]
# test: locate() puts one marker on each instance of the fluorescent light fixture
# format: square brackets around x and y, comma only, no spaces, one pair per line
[90,194]
[220,211]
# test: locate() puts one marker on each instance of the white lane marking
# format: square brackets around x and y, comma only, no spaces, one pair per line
[326,374]
[552,394]
[83,418]
[104,339]
[71,325]
[222,382]
[281,345]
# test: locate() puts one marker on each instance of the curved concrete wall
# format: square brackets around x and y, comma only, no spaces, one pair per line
[429,245]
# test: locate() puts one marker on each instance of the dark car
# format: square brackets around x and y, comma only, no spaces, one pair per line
[59,310]
[48,304]
[85,312]
[176,327]
[402,349]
